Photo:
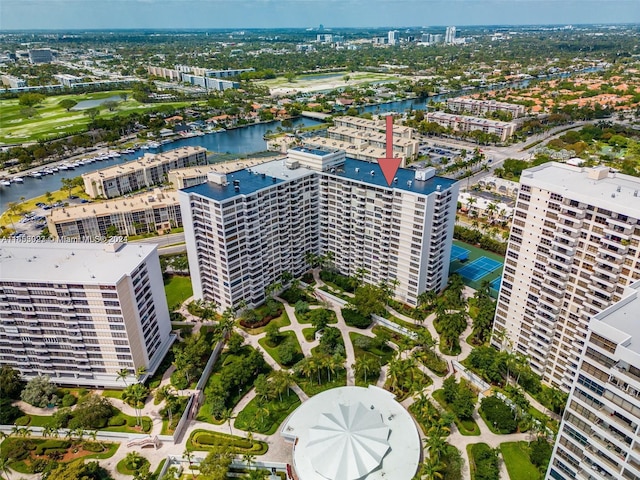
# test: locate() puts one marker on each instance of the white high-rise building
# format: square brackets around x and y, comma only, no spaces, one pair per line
[599,437]
[450,35]
[81,312]
[393,37]
[574,246]
[246,228]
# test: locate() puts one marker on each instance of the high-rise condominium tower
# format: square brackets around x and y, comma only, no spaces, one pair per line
[572,250]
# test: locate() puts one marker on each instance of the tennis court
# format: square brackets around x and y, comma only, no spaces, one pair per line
[479,268]
[459,253]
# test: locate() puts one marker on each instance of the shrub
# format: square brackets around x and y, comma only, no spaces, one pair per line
[23,421]
[40,392]
[69,400]
[355,319]
[8,413]
[485,460]
[498,414]
[14,448]
[117,421]
[42,447]
[540,453]
[93,447]
[179,380]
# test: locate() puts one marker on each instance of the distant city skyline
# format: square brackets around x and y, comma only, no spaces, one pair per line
[181,14]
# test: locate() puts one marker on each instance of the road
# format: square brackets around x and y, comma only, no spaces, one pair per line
[499,154]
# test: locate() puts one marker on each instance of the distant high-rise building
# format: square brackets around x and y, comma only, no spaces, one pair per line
[599,437]
[393,37]
[40,55]
[450,35]
[574,246]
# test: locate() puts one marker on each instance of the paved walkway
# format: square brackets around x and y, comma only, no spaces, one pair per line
[279,450]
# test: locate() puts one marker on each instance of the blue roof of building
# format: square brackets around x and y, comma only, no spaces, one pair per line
[404,175]
[250,182]
[314,151]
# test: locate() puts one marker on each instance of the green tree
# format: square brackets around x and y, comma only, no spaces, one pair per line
[216,464]
[11,382]
[30,99]
[135,396]
[367,300]
[67,104]
[40,392]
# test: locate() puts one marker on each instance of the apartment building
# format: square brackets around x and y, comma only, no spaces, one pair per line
[482,107]
[244,229]
[211,83]
[189,176]
[462,123]
[572,250]
[67,80]
[167,73]
[157,211]
[362,151]
[373,126]
[13,82]
[599,438]
[402,146]
[146,172]
[81,312]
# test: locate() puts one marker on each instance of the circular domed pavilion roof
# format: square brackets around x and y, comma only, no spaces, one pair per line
[353,433]
[348,442]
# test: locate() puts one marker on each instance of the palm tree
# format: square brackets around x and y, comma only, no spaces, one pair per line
[135,396]
[122,375]
[282,380]
[4,466]
[226,416]
[432,470]
[141,371]
[188,455]
[248,458]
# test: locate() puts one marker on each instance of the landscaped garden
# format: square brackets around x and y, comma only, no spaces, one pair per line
[209,440]
[37,455]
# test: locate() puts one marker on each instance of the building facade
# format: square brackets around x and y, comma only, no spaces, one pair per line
[40,55]
[462,123]
[574,246]
[150,170]
[156,212]
[481,107]
[599,437]
[81,312]
[245,229]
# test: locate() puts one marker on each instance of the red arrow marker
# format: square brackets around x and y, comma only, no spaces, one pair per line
[389,165]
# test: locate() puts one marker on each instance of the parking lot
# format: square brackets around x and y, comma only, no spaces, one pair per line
[32,223]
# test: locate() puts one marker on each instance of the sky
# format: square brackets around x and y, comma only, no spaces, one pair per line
[161,14]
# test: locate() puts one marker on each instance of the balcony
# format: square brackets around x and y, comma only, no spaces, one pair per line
[621,224]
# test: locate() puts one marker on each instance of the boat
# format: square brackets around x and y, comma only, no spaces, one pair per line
[153,144]
[113,154]
[63,166]
[55,169]
[145,147]
[5,183]
[36,175]
[80,162]
[48,171]
[18,179]
[75,164]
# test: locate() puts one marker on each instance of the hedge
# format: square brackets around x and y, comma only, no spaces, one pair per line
[355,319]
[203,439]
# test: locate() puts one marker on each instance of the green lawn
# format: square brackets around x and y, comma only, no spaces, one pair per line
[306,318]
[123,469]
[309,334]
[472,452]
[266,418]
[51,120]
[177,288]
[288,336]
[113,393]
[516,459]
